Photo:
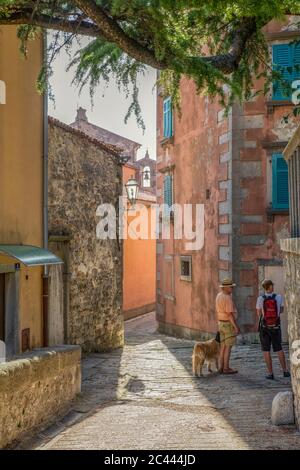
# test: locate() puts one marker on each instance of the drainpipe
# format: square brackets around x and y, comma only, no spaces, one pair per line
[45,205]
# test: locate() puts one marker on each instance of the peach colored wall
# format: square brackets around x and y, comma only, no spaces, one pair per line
[139,264]
[200,155]
[195,153]
[21,167]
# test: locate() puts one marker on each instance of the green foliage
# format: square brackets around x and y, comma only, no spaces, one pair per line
[177,33]
[103,61]
[26,33]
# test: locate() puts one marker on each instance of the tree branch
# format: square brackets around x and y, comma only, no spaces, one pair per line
[111,31]
[99,24]
[228,63]
[86,28]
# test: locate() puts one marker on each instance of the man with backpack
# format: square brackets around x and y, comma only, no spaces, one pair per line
[269,307]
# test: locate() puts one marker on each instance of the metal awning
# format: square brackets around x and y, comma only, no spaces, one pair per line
[30,255]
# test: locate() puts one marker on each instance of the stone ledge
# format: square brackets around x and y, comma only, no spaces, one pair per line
[271,213]
[37,365]
[291,245]
[284,34]
[167,141]
[36,387]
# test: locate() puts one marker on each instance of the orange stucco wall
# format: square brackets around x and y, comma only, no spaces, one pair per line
[195,156]
[139,263]
[224,163]
[21,168]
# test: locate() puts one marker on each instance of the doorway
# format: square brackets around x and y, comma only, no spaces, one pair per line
[9,310]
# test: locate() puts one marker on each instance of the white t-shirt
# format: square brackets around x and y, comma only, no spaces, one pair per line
[279,300]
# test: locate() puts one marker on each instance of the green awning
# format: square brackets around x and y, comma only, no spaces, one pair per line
[30,255]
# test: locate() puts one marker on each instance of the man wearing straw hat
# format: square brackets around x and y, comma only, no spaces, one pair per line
[228,328]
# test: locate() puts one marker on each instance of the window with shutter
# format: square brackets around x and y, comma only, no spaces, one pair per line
[168,190]
[168,118]
[286,61]
[280,189]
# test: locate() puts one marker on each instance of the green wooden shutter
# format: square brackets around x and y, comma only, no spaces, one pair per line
[286,60]
[296,61]
[280,184]
[168,190]
[283,63]
[168,118]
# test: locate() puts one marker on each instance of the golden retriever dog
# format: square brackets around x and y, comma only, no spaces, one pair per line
[206,351]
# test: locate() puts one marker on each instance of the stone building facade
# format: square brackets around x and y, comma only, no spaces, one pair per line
[145,167]
[84,173]
[291,251]
[226,164]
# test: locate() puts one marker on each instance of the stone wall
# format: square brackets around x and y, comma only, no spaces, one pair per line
[35,388]
[82,175]
[291,250]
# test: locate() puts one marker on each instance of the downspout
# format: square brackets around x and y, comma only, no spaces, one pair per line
[45,202]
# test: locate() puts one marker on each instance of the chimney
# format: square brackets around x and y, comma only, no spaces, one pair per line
[81,115]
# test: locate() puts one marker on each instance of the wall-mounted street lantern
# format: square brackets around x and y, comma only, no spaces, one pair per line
[132,189]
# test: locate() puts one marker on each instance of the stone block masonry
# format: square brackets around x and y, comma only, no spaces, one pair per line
[254,235]
[291,250]
[35,388]
[224,200]
[84,173]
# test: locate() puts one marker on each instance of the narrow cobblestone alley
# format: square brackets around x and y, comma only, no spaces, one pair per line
[145,397]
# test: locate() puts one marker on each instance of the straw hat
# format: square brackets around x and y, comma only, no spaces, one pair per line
[227,283]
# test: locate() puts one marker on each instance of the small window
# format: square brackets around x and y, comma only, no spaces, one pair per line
[168,118]
[186,268]
[280,184]
[286,60]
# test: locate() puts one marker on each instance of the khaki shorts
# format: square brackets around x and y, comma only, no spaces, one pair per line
[227,333]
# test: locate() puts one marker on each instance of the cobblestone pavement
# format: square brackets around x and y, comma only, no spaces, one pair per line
[144,397]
